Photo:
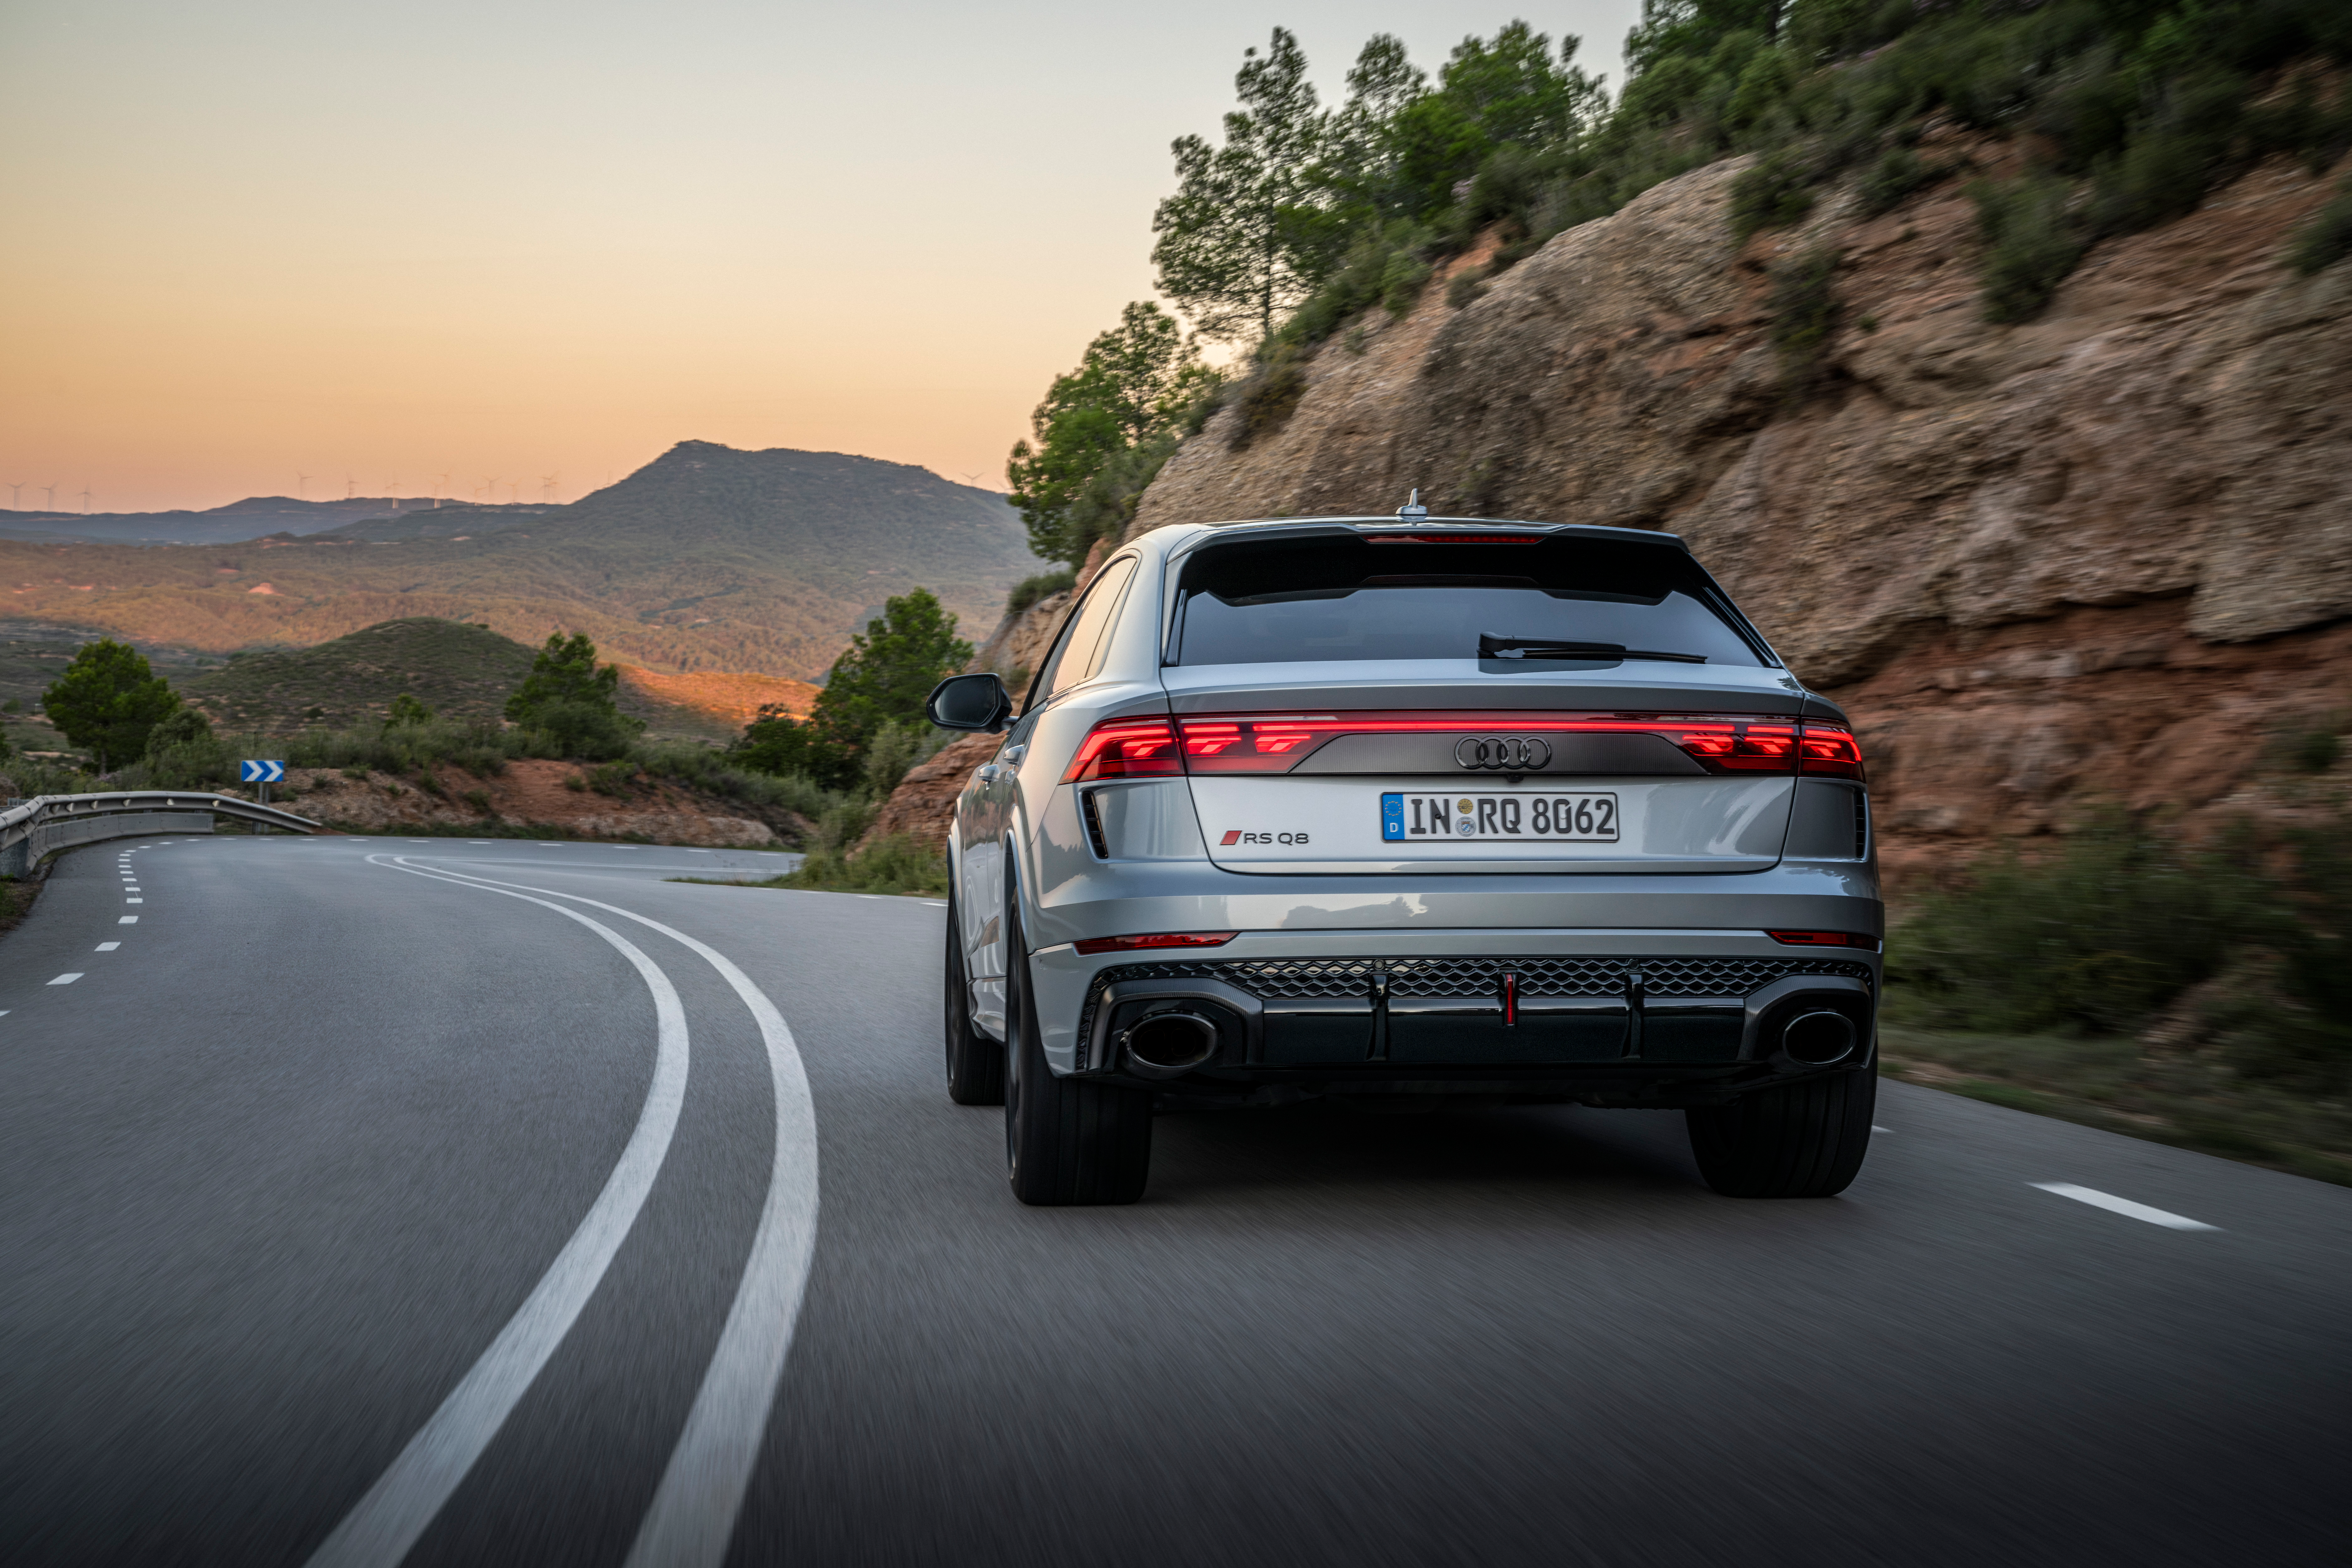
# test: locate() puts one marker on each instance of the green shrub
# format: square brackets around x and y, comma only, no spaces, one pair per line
[894,863]
[1803,306]
[1772,194]
[894,749]
[2097,937]
[1894,177]
[1466,289]
[2030,244]
[2327,240]
[1044,585]
[1267,399]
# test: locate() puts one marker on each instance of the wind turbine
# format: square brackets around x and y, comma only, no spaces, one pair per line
[85,500]
[440,483]
[491,486]
[16,494]
[350,486]
[547,486]
[52,490]
[302,483]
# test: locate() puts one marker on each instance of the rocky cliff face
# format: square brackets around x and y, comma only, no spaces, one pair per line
[2093,555]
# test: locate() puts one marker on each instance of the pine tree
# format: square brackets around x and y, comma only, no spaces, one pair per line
[108,701]
[1242,240]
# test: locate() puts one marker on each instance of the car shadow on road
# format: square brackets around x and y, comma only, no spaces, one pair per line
[1546,1149]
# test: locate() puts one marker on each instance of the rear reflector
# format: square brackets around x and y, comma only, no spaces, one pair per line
[1157,939]
[1824,939]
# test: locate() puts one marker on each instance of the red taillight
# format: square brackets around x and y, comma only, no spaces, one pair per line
[1127,749]
[1734,747]
[1824,939]
[1157,939]
[1255,744]
[1829,749]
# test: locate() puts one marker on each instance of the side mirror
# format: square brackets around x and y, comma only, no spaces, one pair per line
[970,703]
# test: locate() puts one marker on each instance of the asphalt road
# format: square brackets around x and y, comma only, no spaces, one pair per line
[355,1212]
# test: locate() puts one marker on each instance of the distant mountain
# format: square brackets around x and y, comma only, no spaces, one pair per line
[707,558]
[460,672]
[251,518]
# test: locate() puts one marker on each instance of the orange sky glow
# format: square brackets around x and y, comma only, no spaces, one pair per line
[427,246]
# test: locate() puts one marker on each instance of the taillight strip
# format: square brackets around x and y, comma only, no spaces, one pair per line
[1252,743]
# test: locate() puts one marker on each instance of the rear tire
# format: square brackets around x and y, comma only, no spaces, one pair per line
[975,1062]
[1067,1140]
[1799,1141]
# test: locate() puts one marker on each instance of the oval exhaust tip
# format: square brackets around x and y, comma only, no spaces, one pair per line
[1167,1044]
[1819,1040]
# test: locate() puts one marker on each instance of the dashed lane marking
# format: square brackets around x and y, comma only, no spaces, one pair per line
[67,979]
[134,900]
[383,1525]
[1874,1127]
[2114,1204]
[128,920]
[108,946]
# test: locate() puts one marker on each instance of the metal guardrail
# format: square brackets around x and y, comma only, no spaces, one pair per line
[21,826]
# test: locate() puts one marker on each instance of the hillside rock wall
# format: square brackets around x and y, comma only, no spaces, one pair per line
[2092,555]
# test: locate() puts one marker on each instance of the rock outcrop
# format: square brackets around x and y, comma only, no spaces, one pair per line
[2093,554]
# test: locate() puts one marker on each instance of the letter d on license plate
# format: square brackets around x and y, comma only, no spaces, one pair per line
[1407,819]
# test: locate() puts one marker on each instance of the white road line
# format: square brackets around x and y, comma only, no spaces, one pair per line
[1874,1127]
[108,946]
[385,1524]
[698,851]
[478,841]
[2114,1204]
[692,1516]
[67,979]
[128,920]
[134,900]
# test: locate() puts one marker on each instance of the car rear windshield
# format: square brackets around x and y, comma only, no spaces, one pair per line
[1546,598]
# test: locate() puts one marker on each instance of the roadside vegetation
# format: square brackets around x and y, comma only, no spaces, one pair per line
[1307,222]
[2192,993]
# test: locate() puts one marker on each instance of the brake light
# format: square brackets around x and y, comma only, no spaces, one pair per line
[1157,939]
[1823,939]
[1829,749]
[1453,539]
[1127,749]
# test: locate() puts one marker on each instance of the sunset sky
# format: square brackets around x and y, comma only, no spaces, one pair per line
[515,238]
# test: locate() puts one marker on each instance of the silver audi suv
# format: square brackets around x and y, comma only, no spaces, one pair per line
[1411,811]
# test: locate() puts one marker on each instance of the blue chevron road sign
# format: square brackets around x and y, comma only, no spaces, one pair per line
[261,773]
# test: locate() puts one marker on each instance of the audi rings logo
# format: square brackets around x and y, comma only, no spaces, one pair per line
[1497,755]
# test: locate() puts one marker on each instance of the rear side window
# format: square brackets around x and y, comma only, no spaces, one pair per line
[1080,652]
[1332,596]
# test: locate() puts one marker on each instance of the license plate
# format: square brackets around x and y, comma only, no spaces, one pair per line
[1515,818]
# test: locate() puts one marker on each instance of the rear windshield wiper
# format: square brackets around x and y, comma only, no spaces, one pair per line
[1546,647]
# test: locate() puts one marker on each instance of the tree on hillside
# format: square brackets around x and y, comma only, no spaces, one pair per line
[1133,386]
[573,701]
[880,680]
[108,701]
[1243,238]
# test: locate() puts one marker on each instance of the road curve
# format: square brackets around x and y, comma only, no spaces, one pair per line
[344,1132]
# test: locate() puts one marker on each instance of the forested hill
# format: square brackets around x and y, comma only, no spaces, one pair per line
[708,558]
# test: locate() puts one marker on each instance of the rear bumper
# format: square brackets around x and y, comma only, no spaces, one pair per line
[1617,1015]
